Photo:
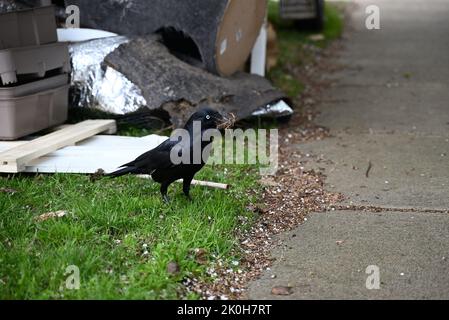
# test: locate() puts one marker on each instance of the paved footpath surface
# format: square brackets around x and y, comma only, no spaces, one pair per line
[389,107]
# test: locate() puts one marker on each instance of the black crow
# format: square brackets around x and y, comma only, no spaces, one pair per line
[159,163]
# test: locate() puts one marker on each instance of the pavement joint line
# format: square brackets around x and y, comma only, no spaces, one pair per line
[377,209]
[358,85]
[415,134]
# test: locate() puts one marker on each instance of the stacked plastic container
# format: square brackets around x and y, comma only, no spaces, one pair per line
[34,71]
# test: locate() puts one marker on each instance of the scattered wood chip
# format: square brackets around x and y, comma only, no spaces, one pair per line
[282,291]
[49,215]
[339,242]
[173,267]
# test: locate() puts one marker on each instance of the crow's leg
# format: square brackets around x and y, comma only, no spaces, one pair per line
[186,181]
[164,188]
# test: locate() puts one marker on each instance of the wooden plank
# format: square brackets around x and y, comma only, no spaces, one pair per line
[6,145]
[15,159]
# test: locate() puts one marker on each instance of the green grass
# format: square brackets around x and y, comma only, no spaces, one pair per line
[333,26]
[291,41]
[104,233]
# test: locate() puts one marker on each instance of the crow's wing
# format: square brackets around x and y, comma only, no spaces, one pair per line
[156,158]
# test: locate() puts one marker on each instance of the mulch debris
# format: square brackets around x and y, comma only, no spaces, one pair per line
[287,197]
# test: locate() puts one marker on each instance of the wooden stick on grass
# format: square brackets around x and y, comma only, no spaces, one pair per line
[209,184]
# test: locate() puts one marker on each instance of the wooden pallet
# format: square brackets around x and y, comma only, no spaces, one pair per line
[15,159]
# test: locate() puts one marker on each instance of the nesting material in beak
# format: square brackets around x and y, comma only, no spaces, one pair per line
[227,122]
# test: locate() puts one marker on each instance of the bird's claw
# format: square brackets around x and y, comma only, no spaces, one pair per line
[165,198]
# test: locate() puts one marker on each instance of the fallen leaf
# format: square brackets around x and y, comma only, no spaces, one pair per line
[316,37]
[201,256]
[8,190]
[97,175]
[48,215]
[255,208]
[282,291]
[172,267]
[268,182]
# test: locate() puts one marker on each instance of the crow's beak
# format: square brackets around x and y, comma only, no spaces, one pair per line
[226,122]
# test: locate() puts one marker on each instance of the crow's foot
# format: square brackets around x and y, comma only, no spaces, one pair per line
[165,198]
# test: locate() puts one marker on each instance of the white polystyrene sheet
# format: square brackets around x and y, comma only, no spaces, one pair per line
[98,152]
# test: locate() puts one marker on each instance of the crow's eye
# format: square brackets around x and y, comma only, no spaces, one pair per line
[207,117]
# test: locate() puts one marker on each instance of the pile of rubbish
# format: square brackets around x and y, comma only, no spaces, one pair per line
[167,56]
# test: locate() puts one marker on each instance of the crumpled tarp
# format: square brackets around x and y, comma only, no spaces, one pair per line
[180,88]
[121,75]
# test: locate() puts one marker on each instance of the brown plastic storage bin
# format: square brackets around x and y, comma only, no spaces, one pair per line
[29,27]
[35,60]
[36,110]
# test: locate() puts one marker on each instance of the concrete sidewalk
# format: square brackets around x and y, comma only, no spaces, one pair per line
[388,110]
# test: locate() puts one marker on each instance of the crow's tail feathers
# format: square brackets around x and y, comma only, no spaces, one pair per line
[122,172]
